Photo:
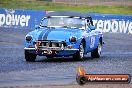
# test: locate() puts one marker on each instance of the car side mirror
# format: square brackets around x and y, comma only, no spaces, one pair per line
[92,27]
[37,26]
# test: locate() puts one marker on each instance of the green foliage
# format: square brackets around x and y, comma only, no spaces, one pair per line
[41,5]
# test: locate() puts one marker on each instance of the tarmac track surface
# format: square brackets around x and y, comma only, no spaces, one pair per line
[116,59]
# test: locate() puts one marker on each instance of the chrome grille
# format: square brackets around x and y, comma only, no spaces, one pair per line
[50,44]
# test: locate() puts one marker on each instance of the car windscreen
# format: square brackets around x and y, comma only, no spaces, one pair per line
[69,22]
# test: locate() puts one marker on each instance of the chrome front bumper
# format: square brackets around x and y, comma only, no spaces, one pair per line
[56,49]
[51,51]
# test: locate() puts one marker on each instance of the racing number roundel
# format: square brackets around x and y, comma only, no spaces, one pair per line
[92,41]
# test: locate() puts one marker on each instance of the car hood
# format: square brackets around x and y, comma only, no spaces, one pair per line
[61,34]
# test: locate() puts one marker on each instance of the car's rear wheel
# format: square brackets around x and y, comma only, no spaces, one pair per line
[30,57]
[97,52]
[80,54]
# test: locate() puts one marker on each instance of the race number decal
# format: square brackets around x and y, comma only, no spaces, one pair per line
[92,41]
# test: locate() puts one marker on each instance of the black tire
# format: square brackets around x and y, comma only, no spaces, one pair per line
[97,52]
[81,80]
[80,54]
[29,57]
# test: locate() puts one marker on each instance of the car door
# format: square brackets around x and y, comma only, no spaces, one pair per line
[91,39]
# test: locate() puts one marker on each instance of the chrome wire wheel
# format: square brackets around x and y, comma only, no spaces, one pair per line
[96,53]
[81,51]
[99,49]
[80,54]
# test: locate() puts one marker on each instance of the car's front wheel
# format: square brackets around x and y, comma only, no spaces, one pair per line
[97,52]
[30,57]
[80,54]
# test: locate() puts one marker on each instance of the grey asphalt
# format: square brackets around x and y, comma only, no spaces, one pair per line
[14,70]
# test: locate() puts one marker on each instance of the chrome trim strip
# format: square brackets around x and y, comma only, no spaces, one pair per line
[29,48]
[50,41]
[49,47]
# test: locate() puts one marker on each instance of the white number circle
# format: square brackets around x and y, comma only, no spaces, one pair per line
[92,41]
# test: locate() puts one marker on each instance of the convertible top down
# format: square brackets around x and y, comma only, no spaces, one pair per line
[64,34]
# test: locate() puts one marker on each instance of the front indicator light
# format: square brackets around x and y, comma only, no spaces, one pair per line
[69,47]
[30,46]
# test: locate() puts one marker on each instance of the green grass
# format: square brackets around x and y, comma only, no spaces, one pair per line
[41,5]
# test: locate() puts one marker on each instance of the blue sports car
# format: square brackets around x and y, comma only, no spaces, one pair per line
[64,34]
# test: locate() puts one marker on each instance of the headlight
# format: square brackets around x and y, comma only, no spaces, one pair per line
[28,38]
[73,39]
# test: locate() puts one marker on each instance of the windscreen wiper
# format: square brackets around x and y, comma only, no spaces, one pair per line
[47,26]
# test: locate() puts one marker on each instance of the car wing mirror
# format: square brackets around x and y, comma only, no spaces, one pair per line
[37,26]
[92,27]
